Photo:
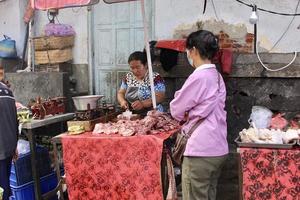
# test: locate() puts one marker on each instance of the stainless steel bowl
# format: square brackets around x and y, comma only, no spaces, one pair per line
[82,102]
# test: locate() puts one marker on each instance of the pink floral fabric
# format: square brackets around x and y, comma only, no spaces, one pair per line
[113,167]
[270,174]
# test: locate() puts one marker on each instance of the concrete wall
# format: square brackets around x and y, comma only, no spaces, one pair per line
[173,18]
[11,21]
[27,86]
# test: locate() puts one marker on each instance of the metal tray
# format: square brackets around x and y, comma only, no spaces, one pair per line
[265,146]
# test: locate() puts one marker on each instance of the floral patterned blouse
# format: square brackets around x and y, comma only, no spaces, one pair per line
[144,89]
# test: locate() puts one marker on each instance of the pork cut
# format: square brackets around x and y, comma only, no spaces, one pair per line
[155,122]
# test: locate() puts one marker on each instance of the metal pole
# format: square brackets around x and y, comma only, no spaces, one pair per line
[255,37]
[34,165]
[146,37]
[29,46]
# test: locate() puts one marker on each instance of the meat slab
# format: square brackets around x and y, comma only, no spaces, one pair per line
[154,123]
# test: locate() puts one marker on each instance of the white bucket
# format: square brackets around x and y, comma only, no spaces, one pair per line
[1,193]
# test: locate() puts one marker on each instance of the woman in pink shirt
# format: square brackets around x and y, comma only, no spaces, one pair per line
[202,97]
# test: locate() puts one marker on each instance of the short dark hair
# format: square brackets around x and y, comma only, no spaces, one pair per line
[205,42]
[138,55]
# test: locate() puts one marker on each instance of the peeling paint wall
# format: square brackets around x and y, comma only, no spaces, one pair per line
[234,19]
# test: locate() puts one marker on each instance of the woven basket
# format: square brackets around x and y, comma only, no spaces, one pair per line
[53,42]
[53,56]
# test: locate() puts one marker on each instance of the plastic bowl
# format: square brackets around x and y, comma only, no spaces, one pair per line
[82,102]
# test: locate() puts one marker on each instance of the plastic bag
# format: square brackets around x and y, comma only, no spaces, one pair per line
[8,48]
[294,124]
[59,30]
[23,147]
[260,117]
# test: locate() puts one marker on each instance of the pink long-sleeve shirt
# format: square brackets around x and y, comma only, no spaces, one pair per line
[203,96]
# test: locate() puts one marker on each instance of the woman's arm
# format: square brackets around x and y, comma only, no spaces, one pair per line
[187,97]
[121,98]
[159,88]
[160,97]
[198,93]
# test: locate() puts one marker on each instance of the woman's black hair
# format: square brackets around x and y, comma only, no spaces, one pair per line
[205,42]
[138,55]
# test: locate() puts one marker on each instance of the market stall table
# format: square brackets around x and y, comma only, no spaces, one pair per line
[30,131]
[113,166]
[270,173]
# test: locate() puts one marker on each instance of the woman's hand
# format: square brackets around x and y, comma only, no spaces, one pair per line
[185,119]
[137,105]
[124,104]
[16,155]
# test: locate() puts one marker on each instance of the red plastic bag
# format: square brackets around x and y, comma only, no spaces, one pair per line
[278,122]
[294,124]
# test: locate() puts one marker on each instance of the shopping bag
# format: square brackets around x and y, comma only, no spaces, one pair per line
[8,48]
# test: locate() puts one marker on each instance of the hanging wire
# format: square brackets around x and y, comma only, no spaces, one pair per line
[274,70]
[278,69]
[287,28]
[48,16]
[215,11]
[256,43]
[269,11]
[57,19]
[295,53]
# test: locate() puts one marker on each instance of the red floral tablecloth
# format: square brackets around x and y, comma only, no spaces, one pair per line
[270,174]
[113,167]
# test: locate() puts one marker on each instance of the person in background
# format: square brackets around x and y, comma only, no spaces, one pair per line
[202,97]
[135,91]
[8,136]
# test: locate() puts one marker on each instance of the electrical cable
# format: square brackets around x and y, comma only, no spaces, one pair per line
[57,19]
[269,11]
[288,27]
[273,70]
[48,16]
[215,11]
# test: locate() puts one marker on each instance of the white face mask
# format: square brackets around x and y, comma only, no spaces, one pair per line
[189,58]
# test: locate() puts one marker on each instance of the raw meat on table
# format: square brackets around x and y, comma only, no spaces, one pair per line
[154,123]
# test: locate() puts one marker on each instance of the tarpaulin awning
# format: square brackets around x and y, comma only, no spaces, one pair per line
[56,4]
[177,45]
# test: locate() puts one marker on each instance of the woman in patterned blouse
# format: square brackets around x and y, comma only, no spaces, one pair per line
[135,91]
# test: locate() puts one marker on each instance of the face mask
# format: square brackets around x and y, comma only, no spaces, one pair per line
[189,58]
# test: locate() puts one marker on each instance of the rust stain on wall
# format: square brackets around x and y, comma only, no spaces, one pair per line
[231,36]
